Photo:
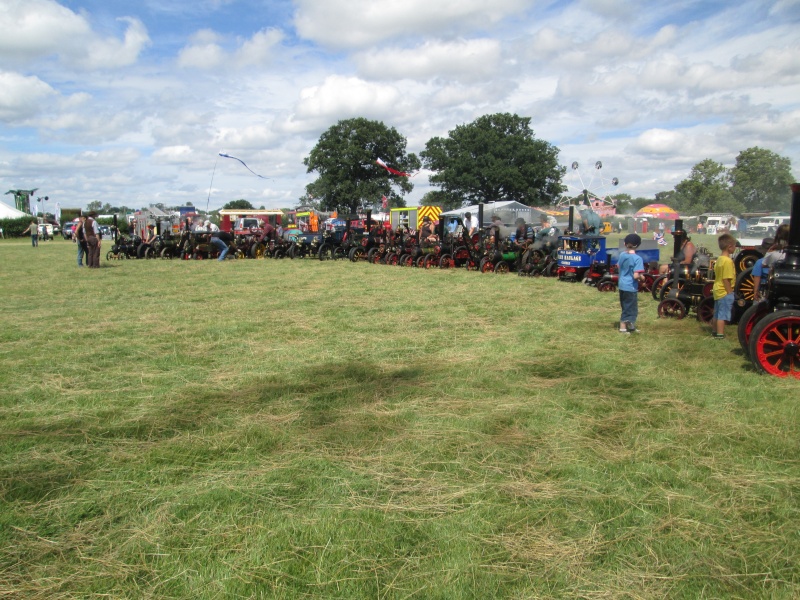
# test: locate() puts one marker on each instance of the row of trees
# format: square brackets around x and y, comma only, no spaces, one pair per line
[758,182]
[498,157]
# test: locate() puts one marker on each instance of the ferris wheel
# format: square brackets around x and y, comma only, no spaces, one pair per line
[597,191]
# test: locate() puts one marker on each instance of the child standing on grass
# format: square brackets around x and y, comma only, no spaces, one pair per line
[724,275]
[631,267]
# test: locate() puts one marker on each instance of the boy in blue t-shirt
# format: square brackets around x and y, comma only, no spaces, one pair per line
[631,267]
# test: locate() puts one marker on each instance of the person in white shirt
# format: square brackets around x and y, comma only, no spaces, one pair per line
[470,224]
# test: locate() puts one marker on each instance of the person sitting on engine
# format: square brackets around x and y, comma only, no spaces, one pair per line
[427,234]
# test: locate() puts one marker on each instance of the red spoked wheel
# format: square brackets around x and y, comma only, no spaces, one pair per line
[667,287]
[394,260]
[705,310]
[606,286]
[486,265]
[671,309]
[775,344]
[430,261]
[748,321]
[655,289]
[446,262]
[646,282]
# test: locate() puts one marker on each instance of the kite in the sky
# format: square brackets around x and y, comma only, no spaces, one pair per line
[391,170]
[223,155]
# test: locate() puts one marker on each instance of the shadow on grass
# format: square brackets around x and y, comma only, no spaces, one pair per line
[326,404]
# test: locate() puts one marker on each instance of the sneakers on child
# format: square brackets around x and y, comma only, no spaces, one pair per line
[625,331]
[718,336]
[632,328]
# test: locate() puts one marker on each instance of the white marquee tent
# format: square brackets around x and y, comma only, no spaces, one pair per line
[7,212]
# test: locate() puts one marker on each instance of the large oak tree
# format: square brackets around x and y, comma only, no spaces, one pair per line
[345,160]
[496,157]
[760,180]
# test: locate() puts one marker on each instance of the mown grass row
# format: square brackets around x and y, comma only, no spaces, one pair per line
[293,429]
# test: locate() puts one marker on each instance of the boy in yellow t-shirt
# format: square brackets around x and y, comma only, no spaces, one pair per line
[724,276]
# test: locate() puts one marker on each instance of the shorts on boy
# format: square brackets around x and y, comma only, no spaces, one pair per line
[723,308]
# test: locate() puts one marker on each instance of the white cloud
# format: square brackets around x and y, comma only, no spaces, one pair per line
[260,48]
[108,53]
[203,52]
[35,29]
[660,142]
[21,97]
[464,60]
[359,23]
[345,97]
[206,50]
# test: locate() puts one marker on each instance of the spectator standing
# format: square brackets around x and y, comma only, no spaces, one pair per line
[92,233]
[33,229]
[724,276]
[631,267]
[79,238]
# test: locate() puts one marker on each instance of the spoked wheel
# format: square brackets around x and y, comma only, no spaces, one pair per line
[655,289]
[502,267]
[775,344]
[746,259]
[356,254]
[257,250]
[393,260]
[705,310]
[325,252]
[646,282]
[406,260]
[339,253]
[665,289]
[279,253]
[149,253]
[606,286]
[197,256]
[420,262]
[431,261]
[371,255]
[671,309]
[748,321]
[471,264]
[377,257]
[745,285]
[446,262]
[166,253]
[110,255]
[486,265]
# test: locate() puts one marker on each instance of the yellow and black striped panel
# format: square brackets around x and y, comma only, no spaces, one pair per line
[427,211]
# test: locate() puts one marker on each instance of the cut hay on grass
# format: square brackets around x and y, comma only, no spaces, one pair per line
[298,429]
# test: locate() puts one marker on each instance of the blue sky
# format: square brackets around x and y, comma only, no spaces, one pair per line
[131,102]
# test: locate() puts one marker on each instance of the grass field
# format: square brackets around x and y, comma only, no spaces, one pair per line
[297,429]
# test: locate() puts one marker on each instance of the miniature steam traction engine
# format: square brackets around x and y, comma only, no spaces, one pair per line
[773,343]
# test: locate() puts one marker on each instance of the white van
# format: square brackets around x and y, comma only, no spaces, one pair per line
[719,223]
[767,226]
